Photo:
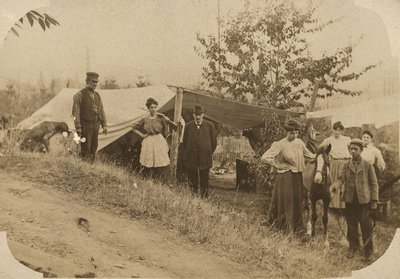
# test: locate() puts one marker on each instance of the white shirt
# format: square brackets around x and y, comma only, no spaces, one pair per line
[340,146]
[287,155]
[372,154]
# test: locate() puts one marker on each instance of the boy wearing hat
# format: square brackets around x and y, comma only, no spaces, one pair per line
[199,143]
[360,194]
[88,114]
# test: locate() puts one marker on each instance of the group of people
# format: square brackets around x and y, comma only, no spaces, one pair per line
[198,145]
[354,162]
[354,190]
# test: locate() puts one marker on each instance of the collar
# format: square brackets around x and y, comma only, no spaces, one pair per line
[198,124]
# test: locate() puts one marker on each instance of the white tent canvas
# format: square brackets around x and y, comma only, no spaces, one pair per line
[123,107]
[379,111]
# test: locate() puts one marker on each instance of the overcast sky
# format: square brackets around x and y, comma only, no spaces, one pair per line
[127,38]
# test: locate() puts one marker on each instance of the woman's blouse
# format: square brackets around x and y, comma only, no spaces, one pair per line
[151,126]
[340,146]
[287,155]
[373,155]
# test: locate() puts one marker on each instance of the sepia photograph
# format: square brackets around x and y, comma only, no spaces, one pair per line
[199,139]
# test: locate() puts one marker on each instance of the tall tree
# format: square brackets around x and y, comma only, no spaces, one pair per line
[265,52]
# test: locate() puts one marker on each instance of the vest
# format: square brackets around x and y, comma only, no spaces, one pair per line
[89,107]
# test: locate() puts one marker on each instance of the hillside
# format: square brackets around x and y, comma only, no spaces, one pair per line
[146,229]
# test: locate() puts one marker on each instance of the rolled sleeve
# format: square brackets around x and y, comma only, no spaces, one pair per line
[271,153]
[103,119]
[76,110]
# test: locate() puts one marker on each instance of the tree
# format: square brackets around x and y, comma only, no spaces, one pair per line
[142,82]
[109,83]
[44,20]
[264,51]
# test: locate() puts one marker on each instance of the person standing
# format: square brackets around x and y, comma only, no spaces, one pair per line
[372,154]
[153,130]
[88,114]
[360,194]
[287,156]
[199,143]
[339,155]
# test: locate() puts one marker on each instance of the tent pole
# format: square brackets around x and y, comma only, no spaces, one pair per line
[176,134]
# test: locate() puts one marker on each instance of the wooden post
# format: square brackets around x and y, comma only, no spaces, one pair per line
[314,96]
[176,134]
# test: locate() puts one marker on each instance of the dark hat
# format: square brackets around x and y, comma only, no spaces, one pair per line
[92,76]
[198,110]
[357,142]
[292,125]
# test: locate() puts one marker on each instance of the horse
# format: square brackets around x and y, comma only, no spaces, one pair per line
[316,183]
[308,174]
[320,189]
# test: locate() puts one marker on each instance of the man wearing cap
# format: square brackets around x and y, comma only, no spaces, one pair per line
[360,194]
[199,143]
[88,114]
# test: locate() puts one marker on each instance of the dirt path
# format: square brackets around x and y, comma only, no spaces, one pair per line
[42,230]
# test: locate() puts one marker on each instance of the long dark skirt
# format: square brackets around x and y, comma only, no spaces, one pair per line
[286,212]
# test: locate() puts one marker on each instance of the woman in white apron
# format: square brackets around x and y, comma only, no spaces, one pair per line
[153,129]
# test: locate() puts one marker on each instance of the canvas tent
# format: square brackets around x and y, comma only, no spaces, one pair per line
[124,107]
[379,111]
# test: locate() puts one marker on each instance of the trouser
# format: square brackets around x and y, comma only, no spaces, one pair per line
[359,213]
[194,176]
[90,131]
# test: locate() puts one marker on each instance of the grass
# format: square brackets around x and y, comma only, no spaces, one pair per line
[214,224]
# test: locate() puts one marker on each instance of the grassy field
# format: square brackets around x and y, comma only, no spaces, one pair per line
[230,223]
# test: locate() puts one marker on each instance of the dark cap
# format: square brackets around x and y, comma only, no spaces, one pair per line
[292,125]
[92,76]
[198,110]
[357,142]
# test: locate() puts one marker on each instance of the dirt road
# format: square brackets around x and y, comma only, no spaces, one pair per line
[43,231]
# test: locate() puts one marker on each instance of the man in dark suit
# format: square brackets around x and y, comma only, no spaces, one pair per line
[199,143]
[360,195]
[88,113]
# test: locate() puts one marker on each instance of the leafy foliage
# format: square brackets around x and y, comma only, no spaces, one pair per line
[142,82]
[272,131]
[45,21]
[109,83]
[265,52]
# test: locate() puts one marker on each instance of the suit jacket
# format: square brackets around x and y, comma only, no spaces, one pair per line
[199,145]
[362,182]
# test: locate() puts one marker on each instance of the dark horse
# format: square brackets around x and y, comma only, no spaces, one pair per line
[317,183]
[320,189]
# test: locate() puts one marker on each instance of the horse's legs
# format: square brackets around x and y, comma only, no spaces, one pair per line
[307,203]
[314,214]
[325,220]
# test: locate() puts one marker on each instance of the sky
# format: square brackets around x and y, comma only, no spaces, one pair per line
[155,38]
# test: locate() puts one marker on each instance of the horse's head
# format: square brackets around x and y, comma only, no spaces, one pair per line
[310,138]
[323,163]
